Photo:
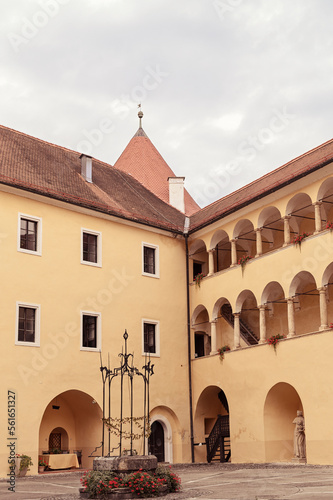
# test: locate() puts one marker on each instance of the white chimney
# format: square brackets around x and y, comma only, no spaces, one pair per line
[86,167]
[176,192]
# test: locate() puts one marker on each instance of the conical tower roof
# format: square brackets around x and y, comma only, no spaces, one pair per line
[141,159]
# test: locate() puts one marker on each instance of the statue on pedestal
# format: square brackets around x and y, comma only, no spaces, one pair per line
[299,436]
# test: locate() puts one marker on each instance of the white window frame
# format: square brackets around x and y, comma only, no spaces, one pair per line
[98,317]
[33,218]
[36,307]
[157,338]
[157,260]
[99,247]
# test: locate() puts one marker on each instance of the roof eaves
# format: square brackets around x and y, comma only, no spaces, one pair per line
[258,196]
[96,206]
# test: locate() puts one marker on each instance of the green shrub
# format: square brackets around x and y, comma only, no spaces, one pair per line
[170,478]
[100,482]
[141,483]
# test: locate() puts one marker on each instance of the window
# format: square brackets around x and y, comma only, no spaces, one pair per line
[151,341]
[27,330]
[91,248]
[29,234]
[150,260]
[91,336]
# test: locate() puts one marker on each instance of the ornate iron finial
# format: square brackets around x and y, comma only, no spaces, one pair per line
[140,115]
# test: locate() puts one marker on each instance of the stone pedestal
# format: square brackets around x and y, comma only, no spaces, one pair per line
[126,463]
[299,460]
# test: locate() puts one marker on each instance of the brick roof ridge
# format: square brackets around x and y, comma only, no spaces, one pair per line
[123,175]
[258,181]
[48,143]
[281,167]
[38,166]
[147,141]
[39,140]
[142,160]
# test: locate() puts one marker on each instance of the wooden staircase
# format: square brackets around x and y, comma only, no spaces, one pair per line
[226,452]
[245,331]
[218,441]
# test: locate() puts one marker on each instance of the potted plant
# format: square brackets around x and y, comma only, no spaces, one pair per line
[23,464]
[41,465]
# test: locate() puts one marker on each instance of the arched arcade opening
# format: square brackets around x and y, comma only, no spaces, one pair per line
[71,423]
[280,409]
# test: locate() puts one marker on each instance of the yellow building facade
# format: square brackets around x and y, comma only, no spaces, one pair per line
[88,251]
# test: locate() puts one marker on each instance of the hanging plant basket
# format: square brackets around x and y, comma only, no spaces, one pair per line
[243,261]
[274,340]
[222,350]
[198,278]
[297,241]
[329,225]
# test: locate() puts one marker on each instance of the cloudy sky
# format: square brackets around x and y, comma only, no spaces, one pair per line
[230,89]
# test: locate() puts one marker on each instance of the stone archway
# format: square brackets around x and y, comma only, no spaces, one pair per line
[167,428]
[76,417]
[212,404]
[280,409]
[156,441]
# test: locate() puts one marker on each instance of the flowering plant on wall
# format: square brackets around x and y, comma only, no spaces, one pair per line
[222,350]
[274,340]
[299,238]
[198,278]
[329,225]
[243,261]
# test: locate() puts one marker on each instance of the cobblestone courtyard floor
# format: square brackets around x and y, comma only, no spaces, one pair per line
[201,481]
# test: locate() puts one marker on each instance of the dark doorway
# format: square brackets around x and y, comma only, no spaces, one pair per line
[199,345]
[197,268]
[157,441]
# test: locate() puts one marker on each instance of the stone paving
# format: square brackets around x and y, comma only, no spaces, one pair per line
[201,481]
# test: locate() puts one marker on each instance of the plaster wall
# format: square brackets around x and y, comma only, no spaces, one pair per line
[62,286]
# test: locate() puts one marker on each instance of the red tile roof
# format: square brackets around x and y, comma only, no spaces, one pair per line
[38,166]
[299,167]
[141,159]
[53,171]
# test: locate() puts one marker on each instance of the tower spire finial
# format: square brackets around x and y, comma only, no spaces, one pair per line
[140,115]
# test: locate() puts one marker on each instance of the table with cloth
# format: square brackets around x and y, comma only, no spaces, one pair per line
[61,460]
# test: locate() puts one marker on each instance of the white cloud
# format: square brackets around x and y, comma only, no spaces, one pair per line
[225,76]
[229,122]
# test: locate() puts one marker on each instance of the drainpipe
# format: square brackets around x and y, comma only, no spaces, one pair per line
[189,339]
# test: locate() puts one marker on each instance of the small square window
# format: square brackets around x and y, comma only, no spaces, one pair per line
[150,260]
[91,248]
[29,234]
[91,335]
[151,340]
[27,330]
